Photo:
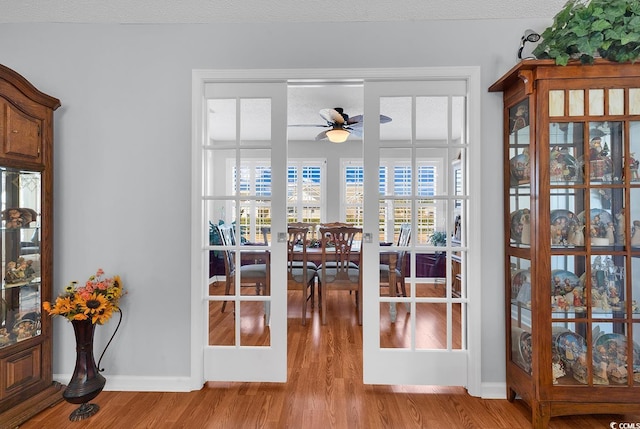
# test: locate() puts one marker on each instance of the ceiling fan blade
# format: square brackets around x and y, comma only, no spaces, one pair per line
[309,125]
[322,135]
[331,116]
[355,120]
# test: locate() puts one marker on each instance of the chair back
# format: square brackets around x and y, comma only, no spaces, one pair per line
[298,271]
[228,239]
[266,232]
[403,241]
[336,244]
[405,235]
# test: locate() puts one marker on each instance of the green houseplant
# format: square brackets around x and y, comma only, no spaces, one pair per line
[438,238]
[586,29]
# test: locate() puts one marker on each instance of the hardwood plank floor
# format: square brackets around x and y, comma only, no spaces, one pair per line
[324,390]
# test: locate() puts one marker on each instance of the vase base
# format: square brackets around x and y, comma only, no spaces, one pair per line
[84,411]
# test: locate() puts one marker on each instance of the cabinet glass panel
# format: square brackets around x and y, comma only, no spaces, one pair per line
[567,217]
[568,297]
[520,298]
[569,352]
[565,151]
[519,142]
[605,223]
[634,151]
[615,358]
[20,317]
[605,152]
[520,175]
[634,222]
[633,275]
[607,285]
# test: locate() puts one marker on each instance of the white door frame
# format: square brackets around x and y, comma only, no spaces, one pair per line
[470,74]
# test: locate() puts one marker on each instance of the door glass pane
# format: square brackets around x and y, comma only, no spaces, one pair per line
[237,195]
[399,129]
[221,117]
[255,125]
[432,120]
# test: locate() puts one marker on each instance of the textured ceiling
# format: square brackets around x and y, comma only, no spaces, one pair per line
[237,11]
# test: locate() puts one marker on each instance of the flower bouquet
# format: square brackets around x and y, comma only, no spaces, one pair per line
[96,300]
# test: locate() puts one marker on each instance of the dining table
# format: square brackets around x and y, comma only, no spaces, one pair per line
[388,255]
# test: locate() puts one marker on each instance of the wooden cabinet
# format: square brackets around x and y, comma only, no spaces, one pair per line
[26,251]
[572,229]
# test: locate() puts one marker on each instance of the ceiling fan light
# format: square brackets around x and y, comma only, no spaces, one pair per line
[337,135]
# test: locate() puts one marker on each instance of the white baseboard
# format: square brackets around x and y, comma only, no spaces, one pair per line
[494,391]
[124,383]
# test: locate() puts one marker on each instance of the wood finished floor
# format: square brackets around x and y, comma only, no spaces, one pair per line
[324,390]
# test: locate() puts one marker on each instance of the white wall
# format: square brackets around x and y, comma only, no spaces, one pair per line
[122,156]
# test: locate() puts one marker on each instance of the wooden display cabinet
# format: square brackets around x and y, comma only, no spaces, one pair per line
[572,230]
[26,249]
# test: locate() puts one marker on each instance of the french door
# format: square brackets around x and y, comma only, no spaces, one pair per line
[419,176]
[438,148]
[242,159]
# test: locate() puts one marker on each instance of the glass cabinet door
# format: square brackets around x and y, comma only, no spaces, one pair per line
[20,317]
[590,300]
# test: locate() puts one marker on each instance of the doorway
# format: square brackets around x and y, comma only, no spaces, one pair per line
[451,211]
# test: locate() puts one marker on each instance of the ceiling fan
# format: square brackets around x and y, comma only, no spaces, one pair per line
[340,125]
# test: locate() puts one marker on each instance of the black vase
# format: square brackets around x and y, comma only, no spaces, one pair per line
[86,382]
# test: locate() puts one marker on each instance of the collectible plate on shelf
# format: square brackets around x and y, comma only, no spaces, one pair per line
[601,227]
[563,282]
[526,350]
[562,166]
[603,216]
[521,226]
[521,287]
[572,350]
[519,169]
[610,357]
[564,226]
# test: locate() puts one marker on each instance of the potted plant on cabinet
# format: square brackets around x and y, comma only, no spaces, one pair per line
[586,29]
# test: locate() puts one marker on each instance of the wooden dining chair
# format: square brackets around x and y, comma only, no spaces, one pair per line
[255,275]
[403,241]
[399,270]
[337,270]
[301,272]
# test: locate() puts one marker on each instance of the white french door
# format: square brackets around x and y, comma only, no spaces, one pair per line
[241,155]
[420,175]
[231,151]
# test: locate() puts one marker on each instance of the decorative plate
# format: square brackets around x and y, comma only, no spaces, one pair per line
[563,282]
[610,357]
[572,350]
[563,167]
[564,224]
[519,168]
[520,226]
[521,286]
[605,216]
[526,350]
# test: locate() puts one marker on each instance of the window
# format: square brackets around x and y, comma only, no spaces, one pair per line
[305,194]
[396,180]
[305,191]
[255,212]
